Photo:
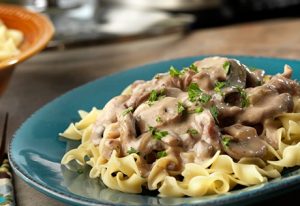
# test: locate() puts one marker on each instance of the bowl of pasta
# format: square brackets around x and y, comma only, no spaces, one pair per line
[22,34]
[191,131]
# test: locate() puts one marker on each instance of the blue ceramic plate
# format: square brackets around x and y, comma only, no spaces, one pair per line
[35,151]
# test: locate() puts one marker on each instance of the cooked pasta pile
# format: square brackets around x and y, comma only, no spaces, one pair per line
[10,40]
[194,132]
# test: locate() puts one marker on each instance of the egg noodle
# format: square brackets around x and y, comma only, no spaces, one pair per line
[217,174]
[10,40]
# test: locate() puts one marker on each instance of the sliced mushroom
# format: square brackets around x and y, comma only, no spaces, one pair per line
[237,74]
[242,141]
[267,107]
[232,97]
[227,113]
[254,78]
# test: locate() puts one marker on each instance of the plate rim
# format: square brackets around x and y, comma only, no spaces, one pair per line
[291,181]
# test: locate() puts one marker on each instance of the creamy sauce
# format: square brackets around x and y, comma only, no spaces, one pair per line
[216,104]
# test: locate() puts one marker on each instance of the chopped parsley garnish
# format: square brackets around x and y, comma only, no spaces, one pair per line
[155,95]
[244,97]
[126,111]
[161,154]
[245,100]
[192,131]
[180,108]
[204,98]
[152,130]
[226,67]
[193,67]
[132,150]
[219,86]
[174,72]
[214,112]
[226,140]
[158,119]
[194,91]
[158,135]
[198,110]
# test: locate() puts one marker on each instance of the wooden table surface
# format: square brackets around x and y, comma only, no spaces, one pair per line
[52,73]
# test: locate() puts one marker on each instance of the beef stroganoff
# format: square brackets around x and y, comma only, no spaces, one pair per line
[192,132]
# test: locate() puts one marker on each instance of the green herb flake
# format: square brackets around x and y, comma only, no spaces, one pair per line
[161,154]
[155,95]
[245,100]
[152,130]
[198,110]
[193,67]
[158,119]
[244,97]
[127,111]
[180,108]
[193,91]
[158,135]
[226,67]
[219,86]
[174,72]
[132,151]
[192,131]
[214,112]
[204,98]
[226,140]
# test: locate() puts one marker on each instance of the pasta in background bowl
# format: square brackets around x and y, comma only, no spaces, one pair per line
[10,40]
[41,168]
[30,31]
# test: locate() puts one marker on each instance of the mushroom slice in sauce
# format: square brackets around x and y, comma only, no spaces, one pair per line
[269,106]
[254,78]
[237,74]
[242,141]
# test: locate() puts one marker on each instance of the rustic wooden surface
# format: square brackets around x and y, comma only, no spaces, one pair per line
[52,73]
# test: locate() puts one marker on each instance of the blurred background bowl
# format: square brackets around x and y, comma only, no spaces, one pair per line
[37,30]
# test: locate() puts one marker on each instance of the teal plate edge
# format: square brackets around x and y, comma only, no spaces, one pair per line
[250,194]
